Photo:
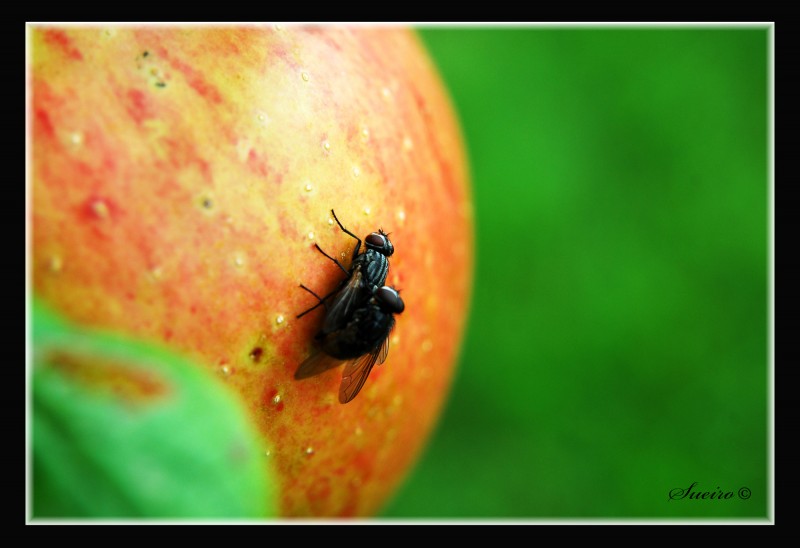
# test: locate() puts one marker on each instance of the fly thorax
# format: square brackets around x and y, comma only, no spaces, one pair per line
[375,267]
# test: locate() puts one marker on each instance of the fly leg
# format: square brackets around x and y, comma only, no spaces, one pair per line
[358,246]
[320,299]
[342,268]
[346,273]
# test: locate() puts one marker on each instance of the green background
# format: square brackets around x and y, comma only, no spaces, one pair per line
[617,346]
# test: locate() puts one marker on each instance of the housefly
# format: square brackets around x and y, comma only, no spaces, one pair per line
[359,316]
[367,273]
[360,342]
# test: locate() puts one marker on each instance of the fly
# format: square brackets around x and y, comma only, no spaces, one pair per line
[360,343]
[367,273]
[359,316]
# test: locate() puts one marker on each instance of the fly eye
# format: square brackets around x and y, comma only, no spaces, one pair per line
[379,242]
[375,240]
[390,298]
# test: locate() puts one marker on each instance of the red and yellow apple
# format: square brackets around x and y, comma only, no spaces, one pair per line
[180,178]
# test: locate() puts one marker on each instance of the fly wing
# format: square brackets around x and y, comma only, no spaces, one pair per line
[315,364]
[344,302]
[384,348]
[355,375]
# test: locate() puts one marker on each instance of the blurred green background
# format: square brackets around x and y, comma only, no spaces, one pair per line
[618,341]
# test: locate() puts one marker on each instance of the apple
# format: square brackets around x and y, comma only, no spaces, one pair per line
[180,179]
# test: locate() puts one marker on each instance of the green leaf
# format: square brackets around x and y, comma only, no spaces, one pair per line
[122,429]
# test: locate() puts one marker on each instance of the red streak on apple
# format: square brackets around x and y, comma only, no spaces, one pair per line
[61,41]
[180,179]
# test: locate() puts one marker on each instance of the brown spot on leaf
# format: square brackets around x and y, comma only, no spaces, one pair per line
[110,377]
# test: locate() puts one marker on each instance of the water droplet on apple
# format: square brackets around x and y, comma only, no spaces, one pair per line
[356,171]
[326,145]
[367,210]
[310,235]
[238,260]
[365,134]
[309,187]
[279,319]
[330,221]
[309,450]
[225,369]
[401,216]
[262,117]
[55,263]
[100,209]
[276,399]
[304,76]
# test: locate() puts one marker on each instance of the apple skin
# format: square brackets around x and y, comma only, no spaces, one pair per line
[180,178]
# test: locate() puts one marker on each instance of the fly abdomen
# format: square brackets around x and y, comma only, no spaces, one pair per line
[367,329]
